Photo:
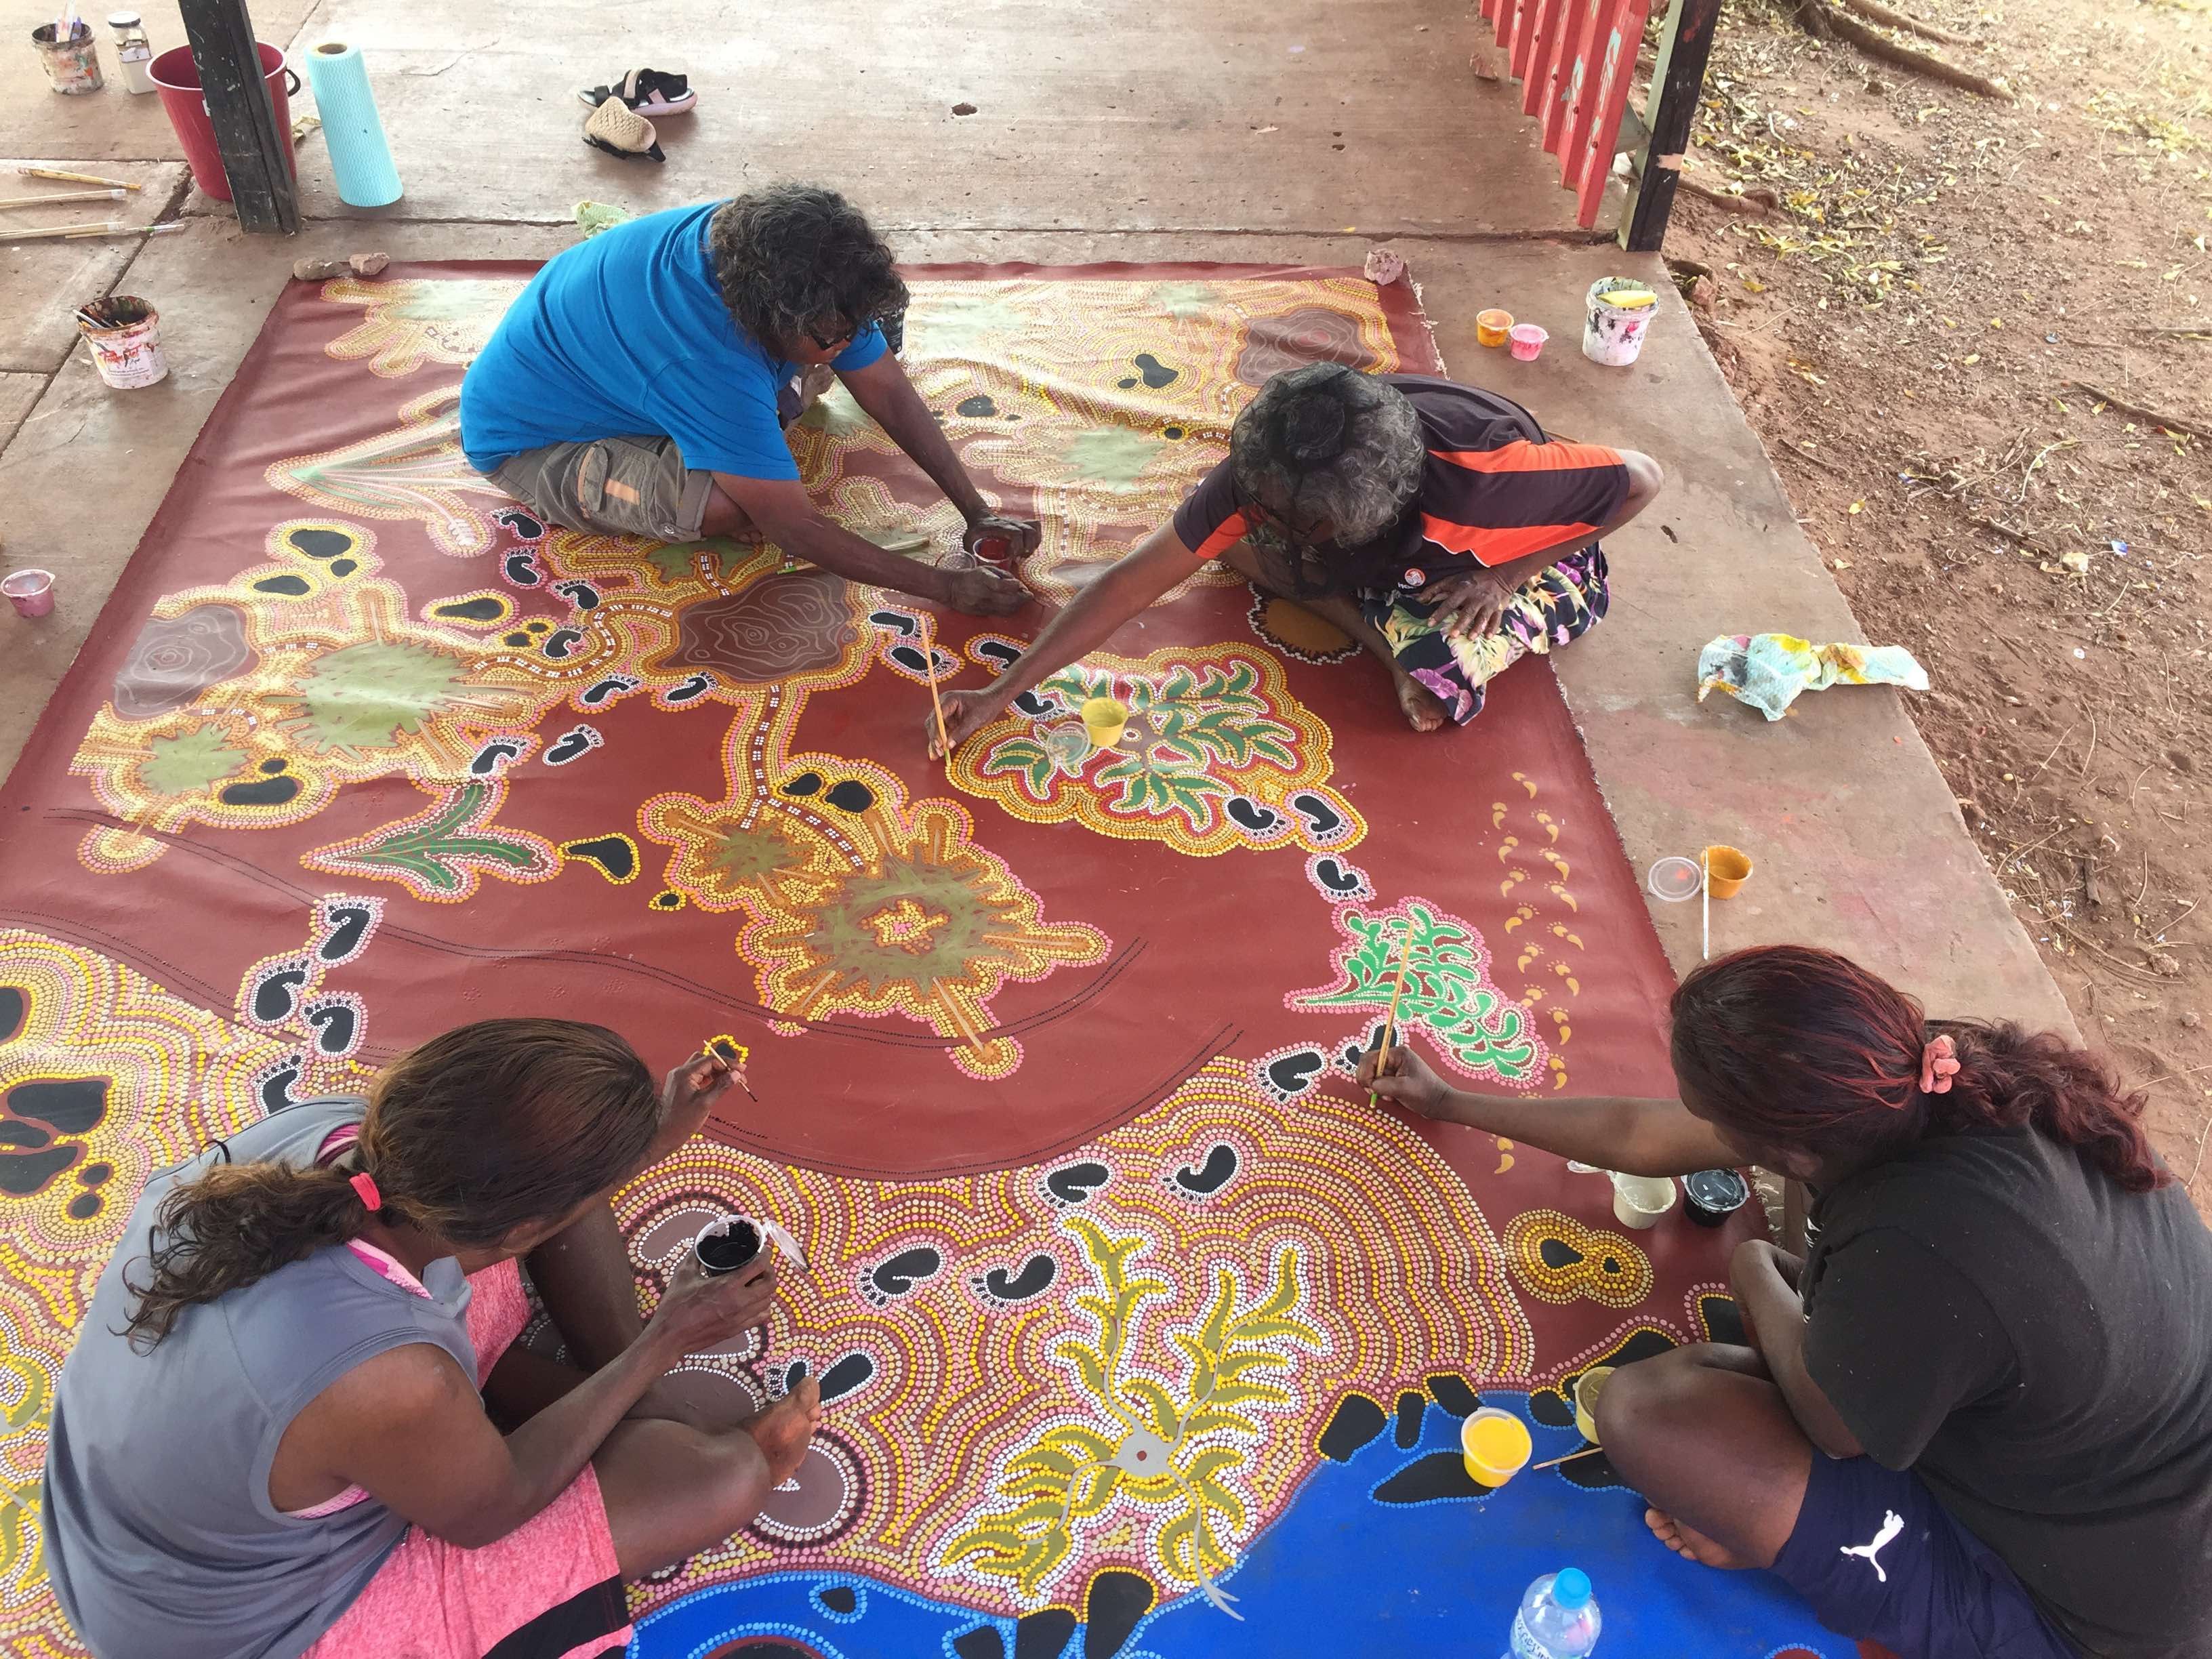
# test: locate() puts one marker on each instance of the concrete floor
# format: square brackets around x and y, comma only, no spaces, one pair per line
[1102,133]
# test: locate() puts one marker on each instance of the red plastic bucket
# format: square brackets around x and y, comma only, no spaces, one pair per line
[179,80]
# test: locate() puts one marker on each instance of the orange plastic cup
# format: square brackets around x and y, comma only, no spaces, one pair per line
[1494,1445]
[1490,327]
[1726,871]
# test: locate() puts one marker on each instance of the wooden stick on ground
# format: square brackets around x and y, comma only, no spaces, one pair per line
[1823,22]
[1390,1019]
[1876,12]
[1587,1451]
[929,667]
[77,177]
[59,197]
[2171,423]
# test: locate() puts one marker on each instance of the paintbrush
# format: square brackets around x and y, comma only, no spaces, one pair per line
[60,197]
[929,667]
[77,177]
[1390,1019]
[1705,905]
[731,1056]
[1587,1451]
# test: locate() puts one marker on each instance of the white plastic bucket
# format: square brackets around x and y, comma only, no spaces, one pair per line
[128,353]
[1613,335]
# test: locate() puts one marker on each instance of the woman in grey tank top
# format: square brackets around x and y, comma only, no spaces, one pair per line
[269,1441]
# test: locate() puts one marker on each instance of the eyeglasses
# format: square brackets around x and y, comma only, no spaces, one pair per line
[834,341]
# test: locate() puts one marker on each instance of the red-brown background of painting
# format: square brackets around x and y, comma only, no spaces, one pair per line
[1204,949]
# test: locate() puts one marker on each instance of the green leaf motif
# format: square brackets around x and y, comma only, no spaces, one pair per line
[1447,991]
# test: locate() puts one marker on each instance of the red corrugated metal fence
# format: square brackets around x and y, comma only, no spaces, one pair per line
[1574,59]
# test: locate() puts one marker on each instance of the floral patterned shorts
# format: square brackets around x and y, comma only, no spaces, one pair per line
[1555,608]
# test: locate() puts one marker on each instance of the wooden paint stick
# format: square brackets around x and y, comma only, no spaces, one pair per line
[1586,1452]
[929,667]
[77,177]
[11,203]
[1390,1019]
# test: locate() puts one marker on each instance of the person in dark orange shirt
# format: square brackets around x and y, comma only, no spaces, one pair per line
[1434,523]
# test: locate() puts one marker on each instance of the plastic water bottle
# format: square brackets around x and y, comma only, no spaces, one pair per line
[1559,1617]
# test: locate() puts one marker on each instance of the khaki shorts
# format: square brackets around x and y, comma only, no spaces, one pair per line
[617,486]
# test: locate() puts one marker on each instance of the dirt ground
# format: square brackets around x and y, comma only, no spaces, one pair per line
[1937,330]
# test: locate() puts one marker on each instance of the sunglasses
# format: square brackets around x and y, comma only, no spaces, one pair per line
[834,341]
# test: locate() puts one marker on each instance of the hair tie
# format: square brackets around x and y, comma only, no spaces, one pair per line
[1938,1064]
[372,1201]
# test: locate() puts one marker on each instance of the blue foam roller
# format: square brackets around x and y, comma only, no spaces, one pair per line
[360,157]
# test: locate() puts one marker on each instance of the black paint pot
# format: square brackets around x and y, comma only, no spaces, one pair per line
[1713,1196]
[727,1246]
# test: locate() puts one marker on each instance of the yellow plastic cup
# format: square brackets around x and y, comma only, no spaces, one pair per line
[1103,718]
[1494,1445]
[1490,327]
[1726,871]
[1588,1386]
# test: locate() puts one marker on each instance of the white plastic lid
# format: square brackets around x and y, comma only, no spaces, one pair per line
[1571,1588]
[1675,879]
[123,20]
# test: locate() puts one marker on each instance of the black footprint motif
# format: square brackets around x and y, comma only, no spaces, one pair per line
[561,641]
[521,570]
[336,1025]
[494,755]
[910,659]
[1290,1075]
[902,1273]
[36,1114]
[290,587]
[1323,821]
[614,855]
[1032,705]
[1253,815]
[997,651]
[1075,1183]
[1025,1284]
[579,592]
[1356,1420]
[895,619]
[1154,374]
[272,790]
[484,608]
[847,1374]
[527,528]
[273,1088]
[806,784]
[1340,879]
[689,691]
[850,796]
[1204,1180]
[573,745]
[977,407]
[317,543]
[601,692]
[275,995]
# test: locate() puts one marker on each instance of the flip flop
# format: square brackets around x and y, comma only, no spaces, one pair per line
[620,131]
[647,91]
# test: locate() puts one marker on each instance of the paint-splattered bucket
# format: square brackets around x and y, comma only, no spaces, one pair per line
[31,592]
[1614,334]
[72,64]
[128,351]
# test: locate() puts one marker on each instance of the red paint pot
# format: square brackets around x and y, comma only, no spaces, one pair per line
[177,78]
[995,549]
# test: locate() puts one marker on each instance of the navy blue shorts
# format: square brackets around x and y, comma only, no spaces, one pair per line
[1877,1557]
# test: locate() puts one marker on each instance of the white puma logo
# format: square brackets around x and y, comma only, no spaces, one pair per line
[1892,1524]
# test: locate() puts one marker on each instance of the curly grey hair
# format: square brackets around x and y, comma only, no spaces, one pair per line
[792,259]
[1326,445]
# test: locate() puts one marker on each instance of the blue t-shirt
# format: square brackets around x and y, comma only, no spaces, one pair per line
[627,333]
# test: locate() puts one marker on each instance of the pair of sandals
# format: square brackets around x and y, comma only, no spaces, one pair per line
[618,123]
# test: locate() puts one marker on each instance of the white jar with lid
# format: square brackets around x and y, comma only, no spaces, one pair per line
[133,51]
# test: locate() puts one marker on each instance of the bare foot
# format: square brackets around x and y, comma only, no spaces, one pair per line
[1687,1541]
[784,1429]
[1424,710]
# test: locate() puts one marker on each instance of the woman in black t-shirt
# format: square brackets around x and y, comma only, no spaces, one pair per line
[1977,1418]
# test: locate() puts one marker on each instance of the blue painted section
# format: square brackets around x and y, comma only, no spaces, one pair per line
[1342,1574]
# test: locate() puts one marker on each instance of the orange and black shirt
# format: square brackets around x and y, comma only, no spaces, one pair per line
[1495,490]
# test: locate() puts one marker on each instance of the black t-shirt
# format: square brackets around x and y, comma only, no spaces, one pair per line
[1992,1312]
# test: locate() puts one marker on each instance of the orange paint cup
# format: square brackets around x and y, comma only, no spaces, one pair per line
[1495,1446]
[1726,871]
[1490,327]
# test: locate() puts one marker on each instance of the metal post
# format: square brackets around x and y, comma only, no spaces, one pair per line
[256,156]
[1677,81]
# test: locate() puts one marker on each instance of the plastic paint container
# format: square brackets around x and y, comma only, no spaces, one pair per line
[1494,1445]
[1588,1386]
[725,1246]
[1103,719]
[1528,340]
[1711,1196]
[994,550]
[1490,327]
[31,592]
[1614,334]
[73,63]
[1674,879]
[1638,1201]
[1726,871]
[128,351]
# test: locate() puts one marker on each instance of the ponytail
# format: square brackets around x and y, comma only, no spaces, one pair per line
[233,1226]
[2009,1077]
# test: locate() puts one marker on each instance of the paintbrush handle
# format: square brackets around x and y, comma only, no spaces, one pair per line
[63,233]
[1587,1451]
[77,177]
[59,197]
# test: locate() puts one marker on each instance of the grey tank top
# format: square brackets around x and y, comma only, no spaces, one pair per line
[160,1535]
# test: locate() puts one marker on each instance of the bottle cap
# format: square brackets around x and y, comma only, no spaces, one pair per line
[123,20]
[1571,1588]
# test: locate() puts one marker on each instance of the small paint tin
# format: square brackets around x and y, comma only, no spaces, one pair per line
[1490,327]
[1588,1386]
[31,592]
[1711,1196]
[996,550]
[127,352]
[72,64]
[1495,1445]
[725,1246]
[1638,1201]
[1528,340]
[1104,720]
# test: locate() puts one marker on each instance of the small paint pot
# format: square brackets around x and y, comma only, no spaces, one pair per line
[72,64]
[994,550]
[1104,720]
[31,592]
[1490,327]
[1675,879]
[1495,1446]
[1726,871]
[127,351]
[1709,1197]
[1588,1386]
[1528,340]
[725,1246]
[1638,1201]
[1613,333]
